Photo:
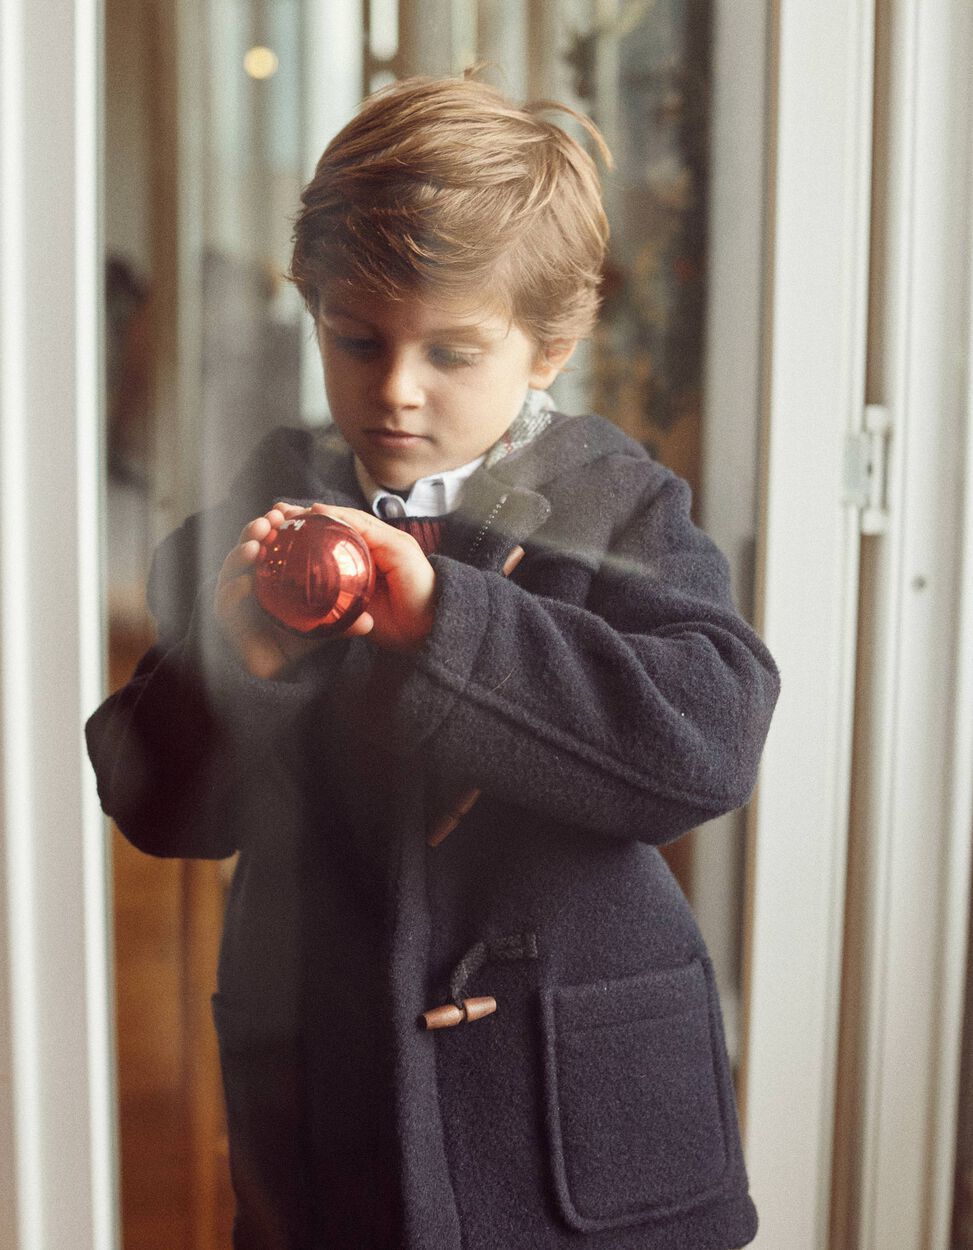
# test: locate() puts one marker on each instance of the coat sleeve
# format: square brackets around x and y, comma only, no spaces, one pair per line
[640,714]
[176,749]
[162,763]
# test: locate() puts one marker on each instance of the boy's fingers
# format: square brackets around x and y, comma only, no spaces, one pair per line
[385,542]
[355,517]
[261,526]
[360,626]
[240,560]
[251,537]
[258,528]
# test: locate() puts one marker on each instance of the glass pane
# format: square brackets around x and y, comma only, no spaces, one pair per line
[216,113]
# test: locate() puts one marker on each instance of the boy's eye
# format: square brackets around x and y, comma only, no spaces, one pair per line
[449,357]
[355,346]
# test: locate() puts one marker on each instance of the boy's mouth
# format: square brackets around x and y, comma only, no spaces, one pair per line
[379,436]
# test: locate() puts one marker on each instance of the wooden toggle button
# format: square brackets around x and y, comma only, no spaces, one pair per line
[449,1015]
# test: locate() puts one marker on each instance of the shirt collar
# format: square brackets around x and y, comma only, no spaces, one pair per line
[439,493]
[434,495]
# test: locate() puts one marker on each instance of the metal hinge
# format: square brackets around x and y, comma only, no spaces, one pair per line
[866,470]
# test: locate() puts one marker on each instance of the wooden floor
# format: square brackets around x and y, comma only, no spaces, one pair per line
[175,1191]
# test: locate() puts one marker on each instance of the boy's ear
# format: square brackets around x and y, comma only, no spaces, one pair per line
[549,361]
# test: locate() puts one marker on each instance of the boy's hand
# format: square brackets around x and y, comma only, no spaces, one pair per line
[262,647]
[400,613]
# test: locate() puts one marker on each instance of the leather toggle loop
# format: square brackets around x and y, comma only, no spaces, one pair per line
[449,1014]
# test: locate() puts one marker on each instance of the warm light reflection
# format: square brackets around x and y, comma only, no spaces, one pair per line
[349,559]
[261,62]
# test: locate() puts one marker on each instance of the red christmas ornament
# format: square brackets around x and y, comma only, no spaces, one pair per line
[314,575]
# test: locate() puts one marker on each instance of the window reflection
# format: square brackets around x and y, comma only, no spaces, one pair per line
[209,349]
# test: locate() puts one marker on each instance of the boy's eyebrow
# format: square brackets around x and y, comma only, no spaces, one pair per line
[333,310]
[473,333]
[470,334]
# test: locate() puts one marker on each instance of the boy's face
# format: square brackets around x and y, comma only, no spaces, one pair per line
[418,387]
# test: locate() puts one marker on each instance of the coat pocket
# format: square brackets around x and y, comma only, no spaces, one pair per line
[639,1118]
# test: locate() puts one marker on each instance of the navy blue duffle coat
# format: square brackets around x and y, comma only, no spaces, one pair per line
[605,698]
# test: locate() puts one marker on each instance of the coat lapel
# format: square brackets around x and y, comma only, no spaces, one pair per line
[493,516]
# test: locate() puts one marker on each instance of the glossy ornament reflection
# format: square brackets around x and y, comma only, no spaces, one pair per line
[314,575]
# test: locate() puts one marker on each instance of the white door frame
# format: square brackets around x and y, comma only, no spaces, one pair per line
[913,809]
[815,326]
[916,810]
[57,1156]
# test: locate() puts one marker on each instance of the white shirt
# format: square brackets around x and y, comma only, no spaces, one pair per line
[434,495]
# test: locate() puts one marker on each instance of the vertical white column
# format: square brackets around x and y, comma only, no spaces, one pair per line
[815,336]
[426,37]
[544,35]
[501,42]
[917,806]
[332,91]
[56,1116]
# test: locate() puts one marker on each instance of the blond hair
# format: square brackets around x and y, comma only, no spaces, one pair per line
[445,187]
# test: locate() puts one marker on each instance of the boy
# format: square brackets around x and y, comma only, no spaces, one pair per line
[462,1001]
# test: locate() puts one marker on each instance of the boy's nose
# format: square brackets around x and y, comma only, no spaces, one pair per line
[400,384]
